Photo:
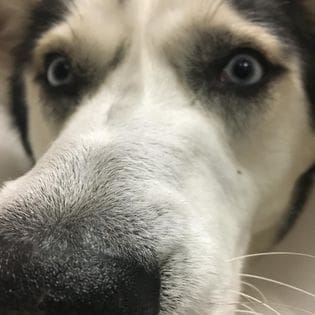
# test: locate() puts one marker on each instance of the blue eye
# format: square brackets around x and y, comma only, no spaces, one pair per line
[59,72]
[243,70]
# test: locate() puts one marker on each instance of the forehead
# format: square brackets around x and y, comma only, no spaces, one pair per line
[114,21]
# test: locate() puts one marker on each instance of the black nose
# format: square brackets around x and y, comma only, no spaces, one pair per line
[76,283]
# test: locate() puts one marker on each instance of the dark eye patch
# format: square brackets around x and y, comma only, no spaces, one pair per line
[74,86]
[60,100]
[293,23]
[65,79]
[46,14]
[200,66]
[203,64]
[209,75]
[59,72]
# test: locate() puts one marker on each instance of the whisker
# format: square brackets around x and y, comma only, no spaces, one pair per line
[255,289]
[289,286]
[285,306]
[272,254]
[293,308]
[246,312]
[247,307]
[257,301]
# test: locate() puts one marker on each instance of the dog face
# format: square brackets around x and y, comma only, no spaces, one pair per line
[168,137]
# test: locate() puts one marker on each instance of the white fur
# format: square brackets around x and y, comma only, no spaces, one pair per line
[181,154]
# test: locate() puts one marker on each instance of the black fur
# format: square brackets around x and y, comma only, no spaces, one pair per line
[291,21]
[304,29]
[301,193]
[86,283]
[45,14]
[57,102]
[19,111]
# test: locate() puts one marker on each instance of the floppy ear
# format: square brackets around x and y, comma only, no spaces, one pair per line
[14,17]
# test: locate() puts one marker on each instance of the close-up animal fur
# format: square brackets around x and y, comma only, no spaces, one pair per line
[168,138]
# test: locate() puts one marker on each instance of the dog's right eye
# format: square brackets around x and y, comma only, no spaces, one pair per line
[58,71]
[244,70]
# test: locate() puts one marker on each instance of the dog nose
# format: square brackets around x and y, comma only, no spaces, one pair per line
[76,284]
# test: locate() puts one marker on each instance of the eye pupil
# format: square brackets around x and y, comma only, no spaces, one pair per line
[243,69]
[59,71]
[62,70]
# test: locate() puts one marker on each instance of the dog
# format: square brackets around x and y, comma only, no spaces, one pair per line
[168,138]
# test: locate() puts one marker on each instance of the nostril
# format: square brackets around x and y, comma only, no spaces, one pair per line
[77,285]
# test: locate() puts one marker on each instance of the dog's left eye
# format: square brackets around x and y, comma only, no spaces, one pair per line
[58,71]
[243,70]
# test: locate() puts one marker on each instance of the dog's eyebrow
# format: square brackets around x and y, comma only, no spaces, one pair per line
[90,74]
[194,22]
[219,42]
[45,15]
[266,13]
[224,40]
